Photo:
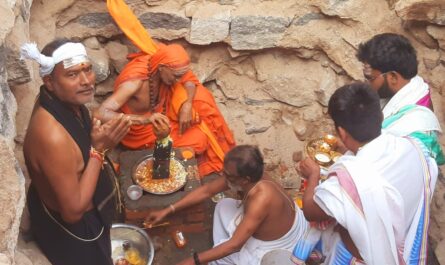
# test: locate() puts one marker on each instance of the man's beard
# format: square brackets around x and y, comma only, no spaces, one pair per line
[234,188]
[384,91]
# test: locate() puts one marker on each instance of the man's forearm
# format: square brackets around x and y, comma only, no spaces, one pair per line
[308,197]
[107,111]
[191,91]
[311,210]
[72,212]
[105,115]
[198,195]
[218,252]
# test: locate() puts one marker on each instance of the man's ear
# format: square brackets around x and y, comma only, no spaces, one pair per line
[246,179]
[47,81]
[394,80]
[382,117]
[343,134]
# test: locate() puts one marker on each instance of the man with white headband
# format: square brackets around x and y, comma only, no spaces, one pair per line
[71,197]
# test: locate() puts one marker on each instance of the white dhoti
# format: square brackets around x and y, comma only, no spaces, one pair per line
[226,218]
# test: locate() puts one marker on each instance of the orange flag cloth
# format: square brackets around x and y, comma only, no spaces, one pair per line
[211,136]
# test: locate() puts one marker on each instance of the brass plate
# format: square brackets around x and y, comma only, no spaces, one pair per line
[142,175]
[313,146]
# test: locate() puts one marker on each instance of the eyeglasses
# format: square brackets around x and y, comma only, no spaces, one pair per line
[370,78]
[228,175]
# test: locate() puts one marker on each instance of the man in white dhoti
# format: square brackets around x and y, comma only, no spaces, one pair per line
[244,230]
[378,193]
[390,67]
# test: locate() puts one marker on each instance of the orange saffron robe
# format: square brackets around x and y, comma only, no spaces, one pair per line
[211,137]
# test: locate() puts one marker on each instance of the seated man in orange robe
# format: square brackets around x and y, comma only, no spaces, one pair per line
[157,89]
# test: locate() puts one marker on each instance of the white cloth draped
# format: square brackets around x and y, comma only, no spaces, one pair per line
[418,119]
[411,93]
[226,218]
[399,162]
[366,205]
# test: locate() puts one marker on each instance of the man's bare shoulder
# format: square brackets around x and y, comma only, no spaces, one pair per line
[263,194]
[44,131]
[129,90]
[131,85]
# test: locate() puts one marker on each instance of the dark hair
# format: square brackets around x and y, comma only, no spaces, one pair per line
[248,160]
[356,108]
[389,52]
[53,45]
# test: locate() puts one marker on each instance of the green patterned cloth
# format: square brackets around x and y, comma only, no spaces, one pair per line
[428,138]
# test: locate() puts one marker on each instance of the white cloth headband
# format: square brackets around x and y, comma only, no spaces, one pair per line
[69,53]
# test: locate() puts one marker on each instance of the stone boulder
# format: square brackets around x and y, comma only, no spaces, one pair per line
[260,25]
[43,19]
[337,42]
[6,19]
[105,88]
[8,104]
[291,80]
[432,11]
[257,32]
[165,25]
[418,30]
[210,23]
[438,33]
[257,121]
[101,63]
[12,198]
[206,62]
[229,81]
[18,72]
[29,250]
[85,19]
[117,53]
[92,43]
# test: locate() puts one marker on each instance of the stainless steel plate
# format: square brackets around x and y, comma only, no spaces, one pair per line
[137,237]
[142,175]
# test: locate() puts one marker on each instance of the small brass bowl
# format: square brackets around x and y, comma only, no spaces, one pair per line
[335,155]
[330,140]
[324,148]
[322,158]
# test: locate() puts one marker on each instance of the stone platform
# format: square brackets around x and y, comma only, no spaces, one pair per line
[195,222]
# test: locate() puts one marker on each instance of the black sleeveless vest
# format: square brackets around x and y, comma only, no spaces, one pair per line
[104,198]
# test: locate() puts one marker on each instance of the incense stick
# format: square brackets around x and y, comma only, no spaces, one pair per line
[148,226]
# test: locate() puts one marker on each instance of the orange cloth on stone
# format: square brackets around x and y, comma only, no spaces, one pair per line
[131,26]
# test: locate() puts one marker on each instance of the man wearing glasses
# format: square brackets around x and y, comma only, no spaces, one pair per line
[390,67]
[265,218]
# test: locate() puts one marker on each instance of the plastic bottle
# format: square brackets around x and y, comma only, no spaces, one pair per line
[179,239]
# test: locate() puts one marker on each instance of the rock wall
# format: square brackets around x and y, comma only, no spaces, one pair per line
[14,17]
[271,65]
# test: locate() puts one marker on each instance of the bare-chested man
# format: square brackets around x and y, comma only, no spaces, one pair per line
[156,87]
[244,230]
[71,197]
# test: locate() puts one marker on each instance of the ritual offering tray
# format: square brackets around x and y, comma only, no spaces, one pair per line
[143,176]
[323,150]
